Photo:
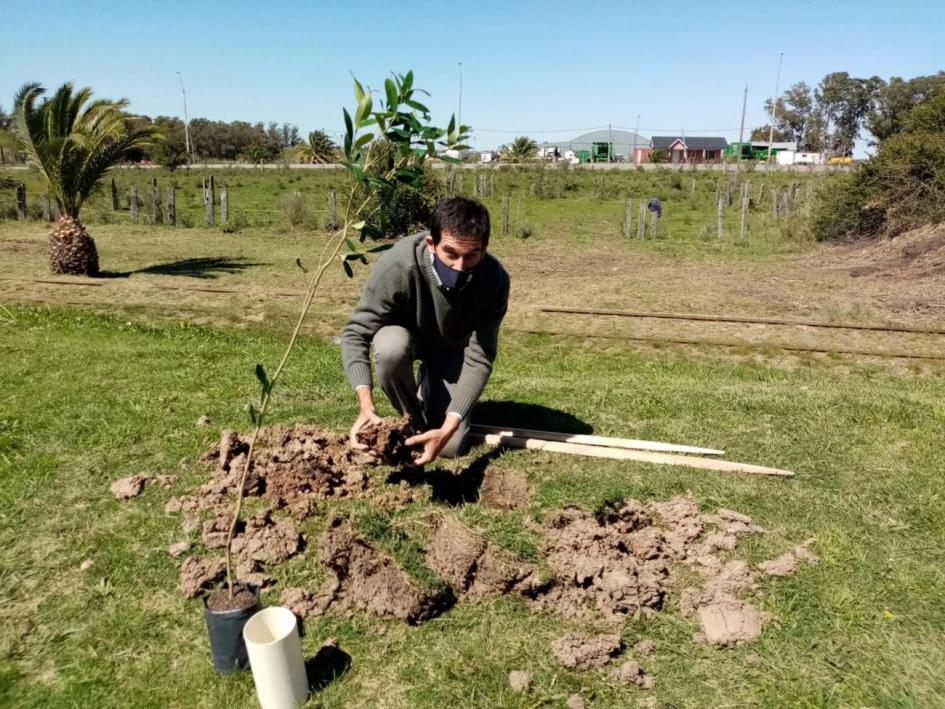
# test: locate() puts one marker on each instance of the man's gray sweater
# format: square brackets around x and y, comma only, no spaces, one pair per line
[402,290]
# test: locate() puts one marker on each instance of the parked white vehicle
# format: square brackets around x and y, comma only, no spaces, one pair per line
[793,157]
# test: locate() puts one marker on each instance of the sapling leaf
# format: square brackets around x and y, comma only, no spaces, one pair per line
[263,379]
[350,244]
[358,226]
[253,414]
[379,248]
[347,267]
[298,262]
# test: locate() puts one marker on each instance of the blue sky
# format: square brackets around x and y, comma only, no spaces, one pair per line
[546,69]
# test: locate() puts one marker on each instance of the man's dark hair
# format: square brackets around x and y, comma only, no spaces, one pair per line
[461,217]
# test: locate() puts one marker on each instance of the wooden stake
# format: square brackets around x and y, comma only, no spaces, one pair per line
[721,224]
[585,439]
[744,222]
[641,219]
[224,206]
[47,210]
[20,201]
[654,224]
[623,454]
[133,205]
[211,201]
[114,196]
[171,206]
[157,216]
[332,212]
[628,219]
[505,216]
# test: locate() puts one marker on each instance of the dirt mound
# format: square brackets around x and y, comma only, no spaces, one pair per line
[618,562]
[503,489]
[132,485]
[583,652]
[294,467]
[370,580]
[198,575]
[471,565]
[267,540]
[306,604]
[630,673]
[915,254]
[728,621]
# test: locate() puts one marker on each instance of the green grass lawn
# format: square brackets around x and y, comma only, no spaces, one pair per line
[88,398]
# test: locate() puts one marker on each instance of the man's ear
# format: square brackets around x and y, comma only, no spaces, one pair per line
[430,243]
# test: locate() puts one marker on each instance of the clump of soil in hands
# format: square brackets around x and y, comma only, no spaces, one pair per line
[386,441]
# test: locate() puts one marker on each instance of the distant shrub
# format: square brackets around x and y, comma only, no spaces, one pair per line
[900,188]
[296,209]
[237,222]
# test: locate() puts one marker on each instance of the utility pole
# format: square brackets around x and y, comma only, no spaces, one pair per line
[741,129]
[774,108]
[459,119]
[190,151]
[636,132]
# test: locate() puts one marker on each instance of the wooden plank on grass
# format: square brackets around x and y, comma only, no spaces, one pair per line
[585,439]
[714,464]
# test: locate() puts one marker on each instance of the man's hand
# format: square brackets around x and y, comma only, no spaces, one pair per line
[434,440]
[367,415]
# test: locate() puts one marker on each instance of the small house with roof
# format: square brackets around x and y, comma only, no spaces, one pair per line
[683,150]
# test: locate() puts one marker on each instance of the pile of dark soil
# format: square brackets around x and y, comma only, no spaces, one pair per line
[624,561]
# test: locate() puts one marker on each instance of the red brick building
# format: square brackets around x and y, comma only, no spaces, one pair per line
[681,150]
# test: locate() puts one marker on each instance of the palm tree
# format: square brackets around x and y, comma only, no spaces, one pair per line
[318,149]
[74,142]
[521,149]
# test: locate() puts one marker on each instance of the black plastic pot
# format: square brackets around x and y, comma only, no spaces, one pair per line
[225,629]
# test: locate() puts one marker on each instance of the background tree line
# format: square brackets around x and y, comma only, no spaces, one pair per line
[831,116]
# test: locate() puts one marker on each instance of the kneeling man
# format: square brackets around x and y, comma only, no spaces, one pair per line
[438,298]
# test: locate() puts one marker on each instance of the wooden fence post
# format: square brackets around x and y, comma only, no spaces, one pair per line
[157,216]
[211,201]
[332,212]
[47,210]
[721,226]
[505,216]
[628,220]
[224,206]
[641,219]
[114,196]
[744,223]
[20,201]
[171,206]
[133,205]
[692,188]
[654,224]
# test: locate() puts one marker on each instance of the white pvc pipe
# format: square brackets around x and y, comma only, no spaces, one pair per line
[275,656]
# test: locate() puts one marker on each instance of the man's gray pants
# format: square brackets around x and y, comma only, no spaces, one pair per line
[395,351]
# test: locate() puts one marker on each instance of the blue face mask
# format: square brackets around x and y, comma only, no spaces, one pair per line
[451,279]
